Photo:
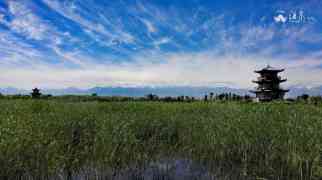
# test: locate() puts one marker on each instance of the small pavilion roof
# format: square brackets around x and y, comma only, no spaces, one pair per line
[269,68]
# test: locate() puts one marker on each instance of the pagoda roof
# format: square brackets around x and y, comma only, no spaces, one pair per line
[269,68]
[268,90]
[260,81]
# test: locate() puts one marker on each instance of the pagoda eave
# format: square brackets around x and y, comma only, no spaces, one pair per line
[267,90]
[265,81]
[266,70]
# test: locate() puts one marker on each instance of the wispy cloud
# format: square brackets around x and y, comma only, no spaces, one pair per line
[150,27]
[163,40]
[26,23]
[69,12]
[196,69]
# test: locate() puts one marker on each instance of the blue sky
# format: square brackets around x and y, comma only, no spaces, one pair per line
[78,43]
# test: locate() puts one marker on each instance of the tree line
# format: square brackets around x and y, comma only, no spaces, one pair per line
[208,97]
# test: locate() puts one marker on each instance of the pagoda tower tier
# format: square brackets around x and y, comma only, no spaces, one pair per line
[268,82]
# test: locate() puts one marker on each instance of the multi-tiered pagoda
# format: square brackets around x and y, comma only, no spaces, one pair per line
[268,88]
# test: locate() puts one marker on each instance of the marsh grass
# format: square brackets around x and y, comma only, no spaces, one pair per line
[50,139]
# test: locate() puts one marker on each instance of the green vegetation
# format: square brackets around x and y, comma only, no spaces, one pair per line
[41,138]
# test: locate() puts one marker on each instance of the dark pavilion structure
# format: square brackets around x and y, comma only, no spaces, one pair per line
[268,88]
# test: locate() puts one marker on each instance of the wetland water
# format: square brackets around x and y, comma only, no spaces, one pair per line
[175,169]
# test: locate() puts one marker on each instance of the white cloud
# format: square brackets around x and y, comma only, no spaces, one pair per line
[15,51]
[25,22]
[304,34]
[2,20]
[161,41]
[251,36]
[113,34]
[69,56]
[194,69]
[149,25]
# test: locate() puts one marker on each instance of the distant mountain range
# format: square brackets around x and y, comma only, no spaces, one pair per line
[160,91]
[298,90]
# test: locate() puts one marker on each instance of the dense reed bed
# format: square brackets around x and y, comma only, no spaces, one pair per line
[42,139]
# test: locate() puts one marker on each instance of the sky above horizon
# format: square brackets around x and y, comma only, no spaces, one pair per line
[88,43]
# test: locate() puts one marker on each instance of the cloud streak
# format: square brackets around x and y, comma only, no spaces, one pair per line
[200,69]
